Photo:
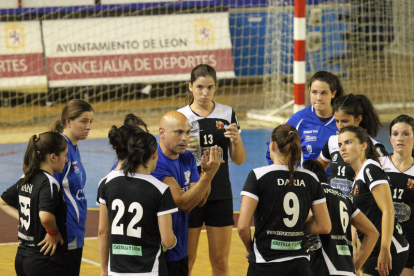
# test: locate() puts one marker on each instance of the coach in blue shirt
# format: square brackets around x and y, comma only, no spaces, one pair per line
[177,168]
[316,123]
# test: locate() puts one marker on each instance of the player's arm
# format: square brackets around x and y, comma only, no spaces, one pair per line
[383,198]
[323,156]
[9,210]
[165,225]
[204,199]
[324,164]
[53,236]
[103,237]
[191,198]
[247,209]
[321,222]
[365,226]
[236,148]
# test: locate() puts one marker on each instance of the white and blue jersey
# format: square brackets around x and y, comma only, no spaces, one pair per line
[72,181]
[312,131]
[184,171]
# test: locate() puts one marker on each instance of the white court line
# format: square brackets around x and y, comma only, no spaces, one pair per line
[91,262]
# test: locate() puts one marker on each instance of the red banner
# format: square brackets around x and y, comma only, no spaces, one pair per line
[132,65]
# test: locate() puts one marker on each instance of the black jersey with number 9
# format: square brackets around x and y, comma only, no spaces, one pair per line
[281,212]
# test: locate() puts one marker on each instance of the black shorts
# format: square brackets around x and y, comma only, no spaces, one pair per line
[398,263]
[317,263]
[410,261]
[178,268]
[295,267]
[215,213]
[33,266]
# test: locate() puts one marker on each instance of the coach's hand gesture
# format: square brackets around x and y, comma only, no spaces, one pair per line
[211,161]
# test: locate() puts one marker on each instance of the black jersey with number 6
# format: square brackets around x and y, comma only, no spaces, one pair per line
[402,190]
[42,193]
[134,204]
[212,130]
[281,211]
[337,245]
[342,175]
[371,175]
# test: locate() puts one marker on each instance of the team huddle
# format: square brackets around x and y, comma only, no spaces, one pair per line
[331,202]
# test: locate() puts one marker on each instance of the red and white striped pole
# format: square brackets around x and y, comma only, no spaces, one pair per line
[299,56]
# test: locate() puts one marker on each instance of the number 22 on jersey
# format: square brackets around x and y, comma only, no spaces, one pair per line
[119,229]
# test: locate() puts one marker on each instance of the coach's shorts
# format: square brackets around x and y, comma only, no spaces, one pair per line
[410,261]
[295,267]
[398,263]
[215,213]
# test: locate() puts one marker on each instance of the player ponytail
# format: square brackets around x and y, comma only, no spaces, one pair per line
[39,147]
[288,143]
[360,105]
[332,80]
[141,146]
[131,119]
[363,137]
[118,139]
[72,110]
[404,119]
[201,70]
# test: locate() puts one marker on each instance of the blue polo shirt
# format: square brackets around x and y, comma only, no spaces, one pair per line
[184,171]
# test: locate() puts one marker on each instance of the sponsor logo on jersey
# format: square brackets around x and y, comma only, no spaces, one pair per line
[309,148]
[356,191]
[76,169]
[310,131]
[219,125]
[402,211]
[309,138]
[335,157]
[80,195]
[368,172]
[410,184]
[187,175]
